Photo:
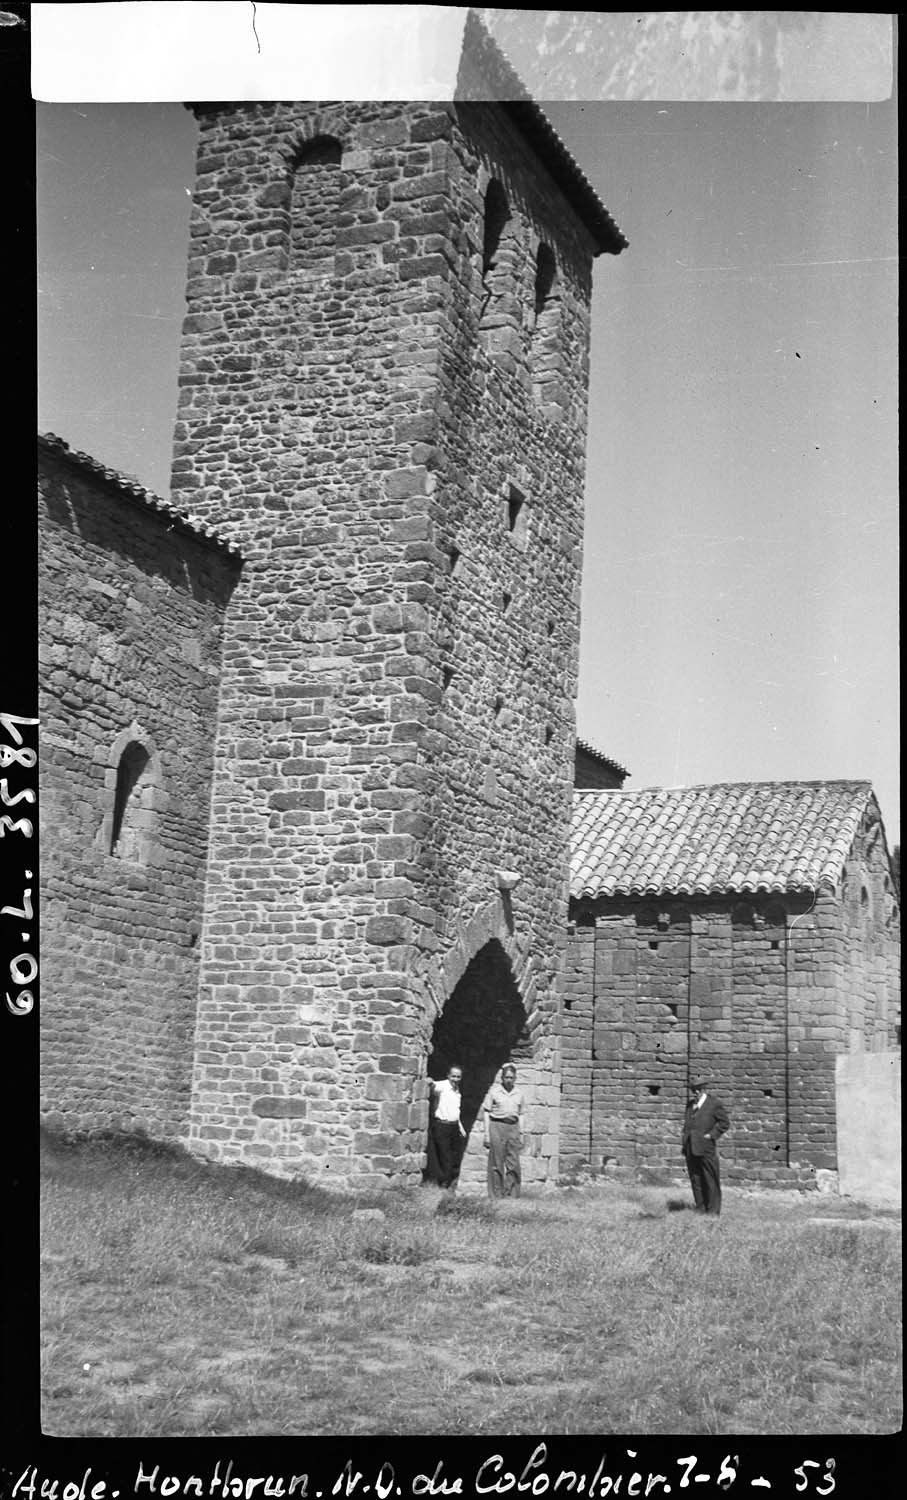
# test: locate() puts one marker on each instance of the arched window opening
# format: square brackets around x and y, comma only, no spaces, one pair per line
[314,203]
[500,310]
[129,825]
[545,276]
[546,356]
[497,214]
[320,151]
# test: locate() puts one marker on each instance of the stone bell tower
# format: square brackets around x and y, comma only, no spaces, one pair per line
[383,401]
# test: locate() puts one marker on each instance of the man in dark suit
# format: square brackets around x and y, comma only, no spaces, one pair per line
[704,1120]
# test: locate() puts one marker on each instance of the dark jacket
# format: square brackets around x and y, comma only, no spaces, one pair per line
[710,1120]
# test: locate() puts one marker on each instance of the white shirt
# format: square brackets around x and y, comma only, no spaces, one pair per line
[701,1100]
[447,1100]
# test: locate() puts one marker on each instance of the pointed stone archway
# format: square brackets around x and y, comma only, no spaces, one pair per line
[483,1025]
[480,1027]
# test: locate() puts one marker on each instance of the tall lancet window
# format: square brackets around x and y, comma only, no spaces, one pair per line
[546,354]
[314,204]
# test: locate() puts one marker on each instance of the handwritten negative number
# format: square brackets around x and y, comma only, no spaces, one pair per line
[21,825]
[810,1463]
[10,757]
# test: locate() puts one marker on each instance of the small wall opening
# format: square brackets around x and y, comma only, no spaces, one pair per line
[516,515]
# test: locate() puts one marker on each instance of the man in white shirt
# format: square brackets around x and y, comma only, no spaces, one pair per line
[446,1136]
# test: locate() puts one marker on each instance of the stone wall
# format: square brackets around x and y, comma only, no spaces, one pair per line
[371,410]
[131,618]
[760,994]
[871,913]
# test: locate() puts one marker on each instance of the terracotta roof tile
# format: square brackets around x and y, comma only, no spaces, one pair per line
[701,840]
[137,494]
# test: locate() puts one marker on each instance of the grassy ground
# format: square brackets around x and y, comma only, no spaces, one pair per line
[184,1299]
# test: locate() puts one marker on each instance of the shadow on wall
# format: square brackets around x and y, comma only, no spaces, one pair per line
[141,539]
[480,1027]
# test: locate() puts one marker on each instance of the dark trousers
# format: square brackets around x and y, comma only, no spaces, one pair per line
[445,1152]
[503,1159]
[705,1180]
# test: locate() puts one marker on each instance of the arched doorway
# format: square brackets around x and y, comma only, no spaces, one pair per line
[482,1026]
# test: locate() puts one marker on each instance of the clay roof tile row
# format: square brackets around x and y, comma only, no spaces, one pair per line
[131,490]
[705,840]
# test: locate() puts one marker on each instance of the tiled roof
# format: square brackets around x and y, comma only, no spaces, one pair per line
[599,756]
[130,489]
[701,840]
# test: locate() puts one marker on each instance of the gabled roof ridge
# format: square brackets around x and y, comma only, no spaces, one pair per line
[134,491]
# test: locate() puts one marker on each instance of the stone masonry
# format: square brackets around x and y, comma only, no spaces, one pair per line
[383,404]
[132,603]
[762,992]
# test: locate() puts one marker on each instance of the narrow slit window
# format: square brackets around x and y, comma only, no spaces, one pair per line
[497,214]
[546,352]
[516,515]
[500,313]
[127,825]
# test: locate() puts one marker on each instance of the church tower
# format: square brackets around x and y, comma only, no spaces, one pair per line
[383,393]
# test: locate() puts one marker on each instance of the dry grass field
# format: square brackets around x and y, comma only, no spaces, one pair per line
[183,1299]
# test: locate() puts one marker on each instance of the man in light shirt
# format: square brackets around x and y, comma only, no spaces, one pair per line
[446,1136]
[503,1135]
[705,1119]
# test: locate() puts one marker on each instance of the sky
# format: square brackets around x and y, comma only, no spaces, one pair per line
[740,582]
